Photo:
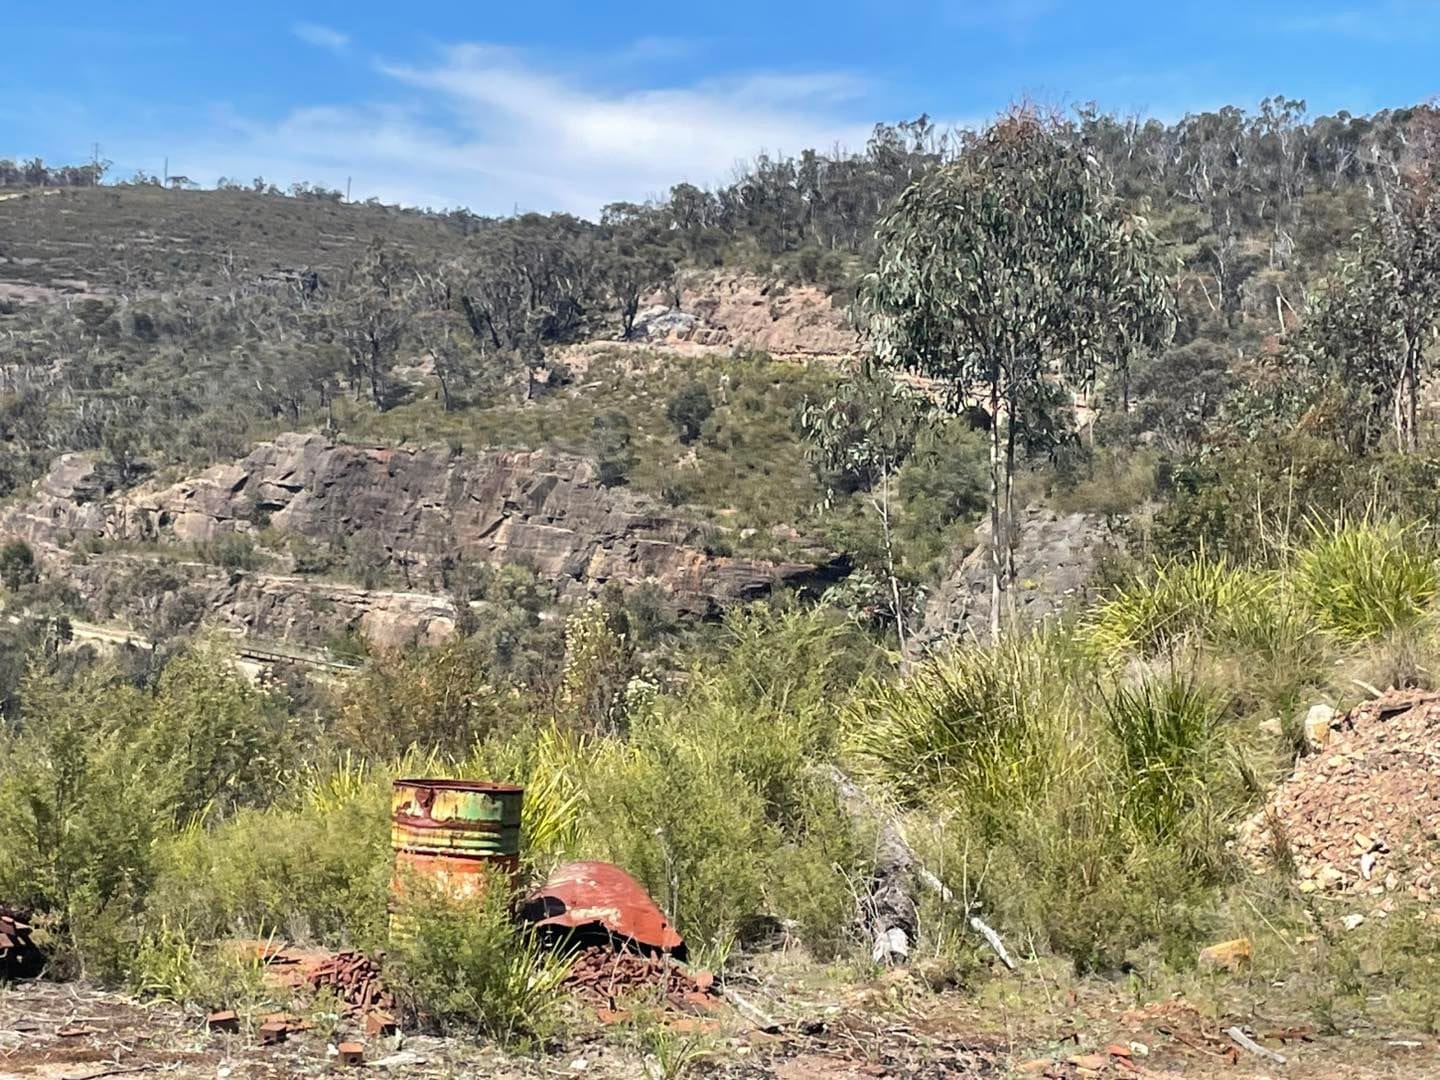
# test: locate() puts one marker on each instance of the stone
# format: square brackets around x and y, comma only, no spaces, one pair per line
[351,1053]
[1056,553]
[1353,921]
[1227,955]
[1317,726]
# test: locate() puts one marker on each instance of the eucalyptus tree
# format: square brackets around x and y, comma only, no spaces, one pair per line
[637,257]
[1368,333]
[1009,268]
[858,438]
[374,316]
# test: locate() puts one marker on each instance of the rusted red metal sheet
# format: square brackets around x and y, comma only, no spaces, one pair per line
[599,897]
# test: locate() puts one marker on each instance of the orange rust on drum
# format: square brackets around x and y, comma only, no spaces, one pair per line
[454,833]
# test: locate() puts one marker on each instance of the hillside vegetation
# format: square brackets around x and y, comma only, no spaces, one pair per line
[1213,339]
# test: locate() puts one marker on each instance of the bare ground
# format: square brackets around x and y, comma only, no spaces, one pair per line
[889,1027]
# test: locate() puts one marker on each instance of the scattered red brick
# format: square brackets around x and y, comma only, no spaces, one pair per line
[602,976]
[351,1053]
[224,1020]
[378,1023]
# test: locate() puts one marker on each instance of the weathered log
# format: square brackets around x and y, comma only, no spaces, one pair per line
[891,911]
[750,1012]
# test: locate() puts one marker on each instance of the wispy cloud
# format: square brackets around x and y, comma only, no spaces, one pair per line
[323,37]
[490,128]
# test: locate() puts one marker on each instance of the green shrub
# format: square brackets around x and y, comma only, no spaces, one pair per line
[172,967]
[442,698]
[688,410]
[315,869]
[464,966]
[17,565]
[1365,579]
[714,802]
[234,551]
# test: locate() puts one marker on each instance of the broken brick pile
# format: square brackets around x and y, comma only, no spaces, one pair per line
[1361,818]
[604,977]
[354,978]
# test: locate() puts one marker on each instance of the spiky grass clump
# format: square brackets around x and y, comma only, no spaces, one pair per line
[464,965]
[1365,579]
[1166,730]
[1206,599]
[973,723]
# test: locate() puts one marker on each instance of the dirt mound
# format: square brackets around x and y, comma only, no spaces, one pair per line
[1362,817]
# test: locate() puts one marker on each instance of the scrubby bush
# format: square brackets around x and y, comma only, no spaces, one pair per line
[463,965]
[440,698]
[17,565]
[714,801]
[96,774]
[689,409]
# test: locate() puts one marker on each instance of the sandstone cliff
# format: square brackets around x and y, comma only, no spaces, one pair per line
[1055,560]
[419,512]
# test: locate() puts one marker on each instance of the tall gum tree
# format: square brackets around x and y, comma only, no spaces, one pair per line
[1009,267]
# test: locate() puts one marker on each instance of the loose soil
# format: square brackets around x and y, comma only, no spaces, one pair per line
[892,1026]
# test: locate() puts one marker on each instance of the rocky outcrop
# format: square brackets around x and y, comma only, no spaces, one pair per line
[742,311]
[1055,559]
[419,511]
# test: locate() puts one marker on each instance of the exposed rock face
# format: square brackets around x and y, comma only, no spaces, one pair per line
[1055,557]
[743,311]
[419,510]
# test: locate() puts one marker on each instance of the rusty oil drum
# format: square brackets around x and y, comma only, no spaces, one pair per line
[454,833]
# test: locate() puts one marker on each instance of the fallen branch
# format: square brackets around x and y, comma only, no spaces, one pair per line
[1245,1042]
[761,1020]
[993,940]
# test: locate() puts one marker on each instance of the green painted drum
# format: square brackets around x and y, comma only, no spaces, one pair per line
[455,832]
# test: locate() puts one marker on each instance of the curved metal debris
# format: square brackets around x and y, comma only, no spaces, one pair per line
[590,897]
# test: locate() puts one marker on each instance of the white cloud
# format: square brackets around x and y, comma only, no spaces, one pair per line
[488,128]
[323,37]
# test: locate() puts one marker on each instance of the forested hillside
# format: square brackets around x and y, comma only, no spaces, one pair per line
[1012,496]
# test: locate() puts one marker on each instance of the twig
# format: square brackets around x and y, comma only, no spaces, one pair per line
[993,940]
[764,1022]
[119,1070]
[1240,1039]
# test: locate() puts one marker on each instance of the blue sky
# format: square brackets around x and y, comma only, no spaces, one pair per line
[568,106]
